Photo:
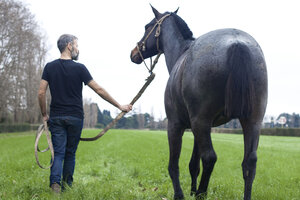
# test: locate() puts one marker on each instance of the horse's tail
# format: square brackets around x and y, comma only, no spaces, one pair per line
[239,92]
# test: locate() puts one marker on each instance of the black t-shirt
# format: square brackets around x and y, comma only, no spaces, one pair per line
[65,78]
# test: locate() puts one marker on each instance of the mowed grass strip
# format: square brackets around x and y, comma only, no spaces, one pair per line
[132,164]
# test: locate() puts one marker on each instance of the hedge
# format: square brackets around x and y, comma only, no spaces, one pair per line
[9,128]
[264,131]
[281,131]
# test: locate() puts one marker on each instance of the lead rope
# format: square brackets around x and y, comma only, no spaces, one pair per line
[138,95]
[111,124]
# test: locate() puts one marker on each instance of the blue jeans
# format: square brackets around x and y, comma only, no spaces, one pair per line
[65,134]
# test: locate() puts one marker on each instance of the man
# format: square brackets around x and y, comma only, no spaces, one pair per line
[65,78]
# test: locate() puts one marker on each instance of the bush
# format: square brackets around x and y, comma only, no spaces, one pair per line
[99,125]
[9,128]
[34,127]
[264,131]
[226,130]
[281,131]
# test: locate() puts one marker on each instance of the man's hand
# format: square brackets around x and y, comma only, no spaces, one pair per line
[126,108]
[45,118]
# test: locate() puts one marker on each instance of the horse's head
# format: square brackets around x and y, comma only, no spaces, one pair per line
[149,45]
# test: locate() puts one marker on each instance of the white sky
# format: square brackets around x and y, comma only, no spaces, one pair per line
[108,31]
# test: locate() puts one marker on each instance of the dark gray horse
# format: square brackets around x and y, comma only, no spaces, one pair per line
[215,78]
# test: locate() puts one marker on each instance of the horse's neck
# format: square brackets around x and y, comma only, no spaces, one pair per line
[173,46]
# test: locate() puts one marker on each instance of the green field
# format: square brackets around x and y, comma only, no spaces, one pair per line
[132,164]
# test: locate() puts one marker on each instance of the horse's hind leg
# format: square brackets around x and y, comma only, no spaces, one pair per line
[201,130]
[175,133]
[251,138]
[194,167]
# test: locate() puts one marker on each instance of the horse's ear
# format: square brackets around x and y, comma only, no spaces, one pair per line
[156,13]
[176,10]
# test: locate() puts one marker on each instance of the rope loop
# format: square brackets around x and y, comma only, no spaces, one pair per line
[43,128]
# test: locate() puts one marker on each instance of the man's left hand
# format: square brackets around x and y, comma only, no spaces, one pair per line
[45,118]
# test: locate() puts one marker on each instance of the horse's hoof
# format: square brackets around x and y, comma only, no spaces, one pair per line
[201,196]
[193,193]
[179,197]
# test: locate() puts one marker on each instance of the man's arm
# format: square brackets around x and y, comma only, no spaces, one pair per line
[106,96]
[42,98]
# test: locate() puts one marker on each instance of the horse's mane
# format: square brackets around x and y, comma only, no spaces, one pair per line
[183,27]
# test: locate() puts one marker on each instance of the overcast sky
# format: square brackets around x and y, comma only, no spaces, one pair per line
[109,30]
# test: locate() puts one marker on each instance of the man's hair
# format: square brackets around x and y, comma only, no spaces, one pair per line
[63,41]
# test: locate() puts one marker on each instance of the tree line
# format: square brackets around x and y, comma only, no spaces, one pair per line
[22,56]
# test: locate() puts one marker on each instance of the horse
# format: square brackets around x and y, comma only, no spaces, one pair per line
[217,77]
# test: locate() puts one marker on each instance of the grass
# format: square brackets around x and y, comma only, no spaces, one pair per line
[132,164]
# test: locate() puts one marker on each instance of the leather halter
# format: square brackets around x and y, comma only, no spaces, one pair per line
[143,43]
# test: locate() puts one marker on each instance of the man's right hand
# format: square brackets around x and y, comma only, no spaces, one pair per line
[126,108]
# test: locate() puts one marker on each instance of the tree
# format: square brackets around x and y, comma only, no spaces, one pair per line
[296,120]
[22,56]
[106,117]
[90,113]
[148,120]
[140,119]
[288,120]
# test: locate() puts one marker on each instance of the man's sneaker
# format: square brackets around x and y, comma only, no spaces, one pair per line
[56,188]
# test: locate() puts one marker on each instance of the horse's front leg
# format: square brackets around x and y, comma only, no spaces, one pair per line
[251,138]
[175,133]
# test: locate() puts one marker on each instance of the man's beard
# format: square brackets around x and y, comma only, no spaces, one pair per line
[74,55]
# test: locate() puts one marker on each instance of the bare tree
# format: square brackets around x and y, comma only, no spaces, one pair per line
[90,113]
[140,118]
[22,55]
